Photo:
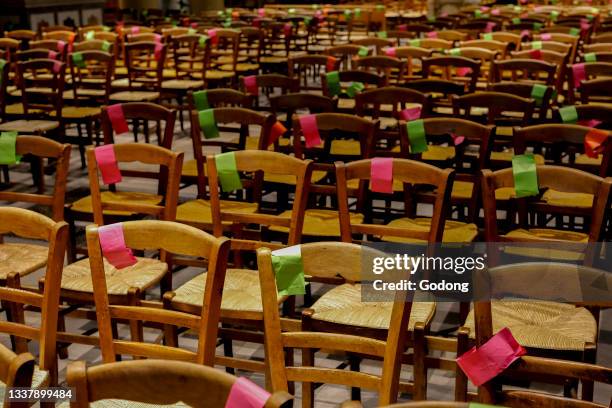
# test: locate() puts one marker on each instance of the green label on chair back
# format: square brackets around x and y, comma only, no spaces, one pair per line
[289,271]
[537,26]
[416,136]
[2,64]
[590,57]
[357,12]
[574,31]
[536,45]
[568,114]
[208,124]
[525,175]
[77,59]
[516,20]
[106,46]
[227,172]
[202,41]
[200,100]
[477,13]
[333,83]
[8,151]
[90,35]
[553,15]
[354,88]
[363,52]
[537,93]
[381,34]
[488,37]
[380,7]
[455,52]
[415,42]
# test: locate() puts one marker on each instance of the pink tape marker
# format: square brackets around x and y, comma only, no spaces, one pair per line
[157,38]
[463,71]
[212,34]
[390,52]
[52,55]
[579,72]
[525,33]
[113,246]
[457,140]
[484,9]
[261,12]
[107,163]
[250,83]
[117,118]
[135,30]
[57,66]
[246,394]
[496,12]
[490,26]
[431,34]
[410,113]
[545,37]
[486,362]
[158,51]
[61,45]
[287,29]
[193,25]
[310,130]
[381,175]
[536,54]
[590,123]
[402,27]
[331,64]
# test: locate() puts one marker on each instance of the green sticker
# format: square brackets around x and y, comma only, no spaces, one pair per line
[106,46]
[202,41]
[333,83]
[536,45]
[553,15]
[229,178]
[291,11]
[348,14]
[208,124]
[537,93]
[525,175]
[537,26]
[145,13]
[363,52]
[191,31]
[2,64]
[488,37]
[415,43]
[227,23]
[568,114]
[416,136]
[380,7]
[590,57]
[200,100]
[477,13]
[431,19]
[354,88]
[289,274]
[516,20]
[90,35]
[455,51]
[8,151]
[590,17]
[517,8]
[574,31]
[357,12]
[77,59]
[381,34]
[307,20]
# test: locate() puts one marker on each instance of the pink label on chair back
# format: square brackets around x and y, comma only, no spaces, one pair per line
[117,118]
[212,34]
[135,30]
[113,246]
[525,33]
[261,12]
[535,54]
[463,71]
[486,362]
[490,26]
[579,72]
[590,123]
[52,55]
[545,37]
[432,34]
[402,27]
[410,113]
[331,64]
[57,66]
[246,394]
[61,45]
[390,52]
[457,140]
[496,12]
[250,84]
[107,163]
[310,130]
[157,38]
[287,29]
[381,175]
[193,25]
[157,53]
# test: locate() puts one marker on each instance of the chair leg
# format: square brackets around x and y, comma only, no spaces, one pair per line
[136,330]
[307,387]
[590,356]
[145,129]
[71,251]
[228,350]
[17,314]
[81,145]
[420,370]
[170,332]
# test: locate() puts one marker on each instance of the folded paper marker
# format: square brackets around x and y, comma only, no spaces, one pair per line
[354,88]
[117,118]
[250,84]
[416,136]
[8,148]
[537,93]
[568,114]
[590,123]
[310,130]
[381,175]
[594,141]
[432,34]
[200,100]
[227,171]
[579,72]
[113,246]
[278,129]
[535,54]
[525,175]
[492,358]
[77,59]
[208,124]
[157,51]
[246,394]
[331,64]
[289,271]
[333,83]
[107,163]
[457,139]
[391,52]
[410,113]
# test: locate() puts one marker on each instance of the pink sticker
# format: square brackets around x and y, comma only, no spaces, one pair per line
[287,29]
[444,14]
[193,25]
[61,45]
[431,34]
[310,130]
[261,12]
[107,163]
[157,53]
[546,37]
[590,123]
[256,22]
[57,66]
[486,362]
[496,12]
[381,175]
[457,140]
[579,72]
[157,38]
[117,118]
[525,33]
[246,394]
[484,9]
[318,14]
[584,25]
[490,26]
[331,64]
[250,84]
[463,71]
[212,34]
[402,27]
[135,30]
[410,113]
[536,54]
[113,246]
[52,55]
[390,52]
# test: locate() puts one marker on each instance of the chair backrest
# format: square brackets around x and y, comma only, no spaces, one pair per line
[367,79]
[377,43]
[448,62]
[391,67]
[407,172]
[530,69]
[223,97]
[145,64]
[299,66]
[91,70]
[190,56]
[157,382]
[496,103]
[170,164]
[326,259]
[145,111]
[588,112]
[259,163]
[592,71]
[16,370]
[596,90]
[40,148]
[268,83]
[170,238]
[34,226]
[30,78]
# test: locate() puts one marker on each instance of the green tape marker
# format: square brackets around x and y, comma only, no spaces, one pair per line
[357,12]
[106,46]
[333,83]
[574,31]
[200,100]
[488,37]
[381,34]
[415,42]
[516,20]
[90,35]
[416,136]
[568,114]
[229,178]
[289,271]
[477,13]
[354,89]
[525,175]
[208,124]
[455,52]
[363,52]
[590,57]
[553,15]
[202,41]
[8,150]
[380,7]
[537,26]
[536,45]
[537,93]
[77,59]
[2,64]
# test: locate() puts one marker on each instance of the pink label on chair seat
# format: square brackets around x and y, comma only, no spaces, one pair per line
[246,394]
[310,130]
[107,163]
[381,175]
[113,246]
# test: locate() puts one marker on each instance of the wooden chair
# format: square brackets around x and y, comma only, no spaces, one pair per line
[594,71]
[526,90]
[24,36]
[413,58]
[374,42]
[17,370]
[346,54]
[171,239]
[144,382]
[224,53]
[596,90]
[301,66]
[392,68]
[30,225]
[242,302]
[557,59]
[267,84]
[588,112]
[440,92]
[346,103]
[399,321]
[442,65]
[492,45]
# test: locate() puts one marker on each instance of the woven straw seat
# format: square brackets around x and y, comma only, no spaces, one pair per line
[217,75]
[561,198]
[228,59]
[121,71]
[116,403]
[454,231]
[346,103]
[167,73]
[435,152]
[584,159]
[123,197]
[190,168]
[29,126]
[76,112]
[241,291]
[546,235]
[182,84]
[543,325]
[124,83]
[319,223]
[134,96]
[17,109]
[273,59]
[345,148]
[507,156]
[198,211]
[252,143]
[187,65]
[240,67]
[343,305]
[40,378]
[142,275]
[21,258]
